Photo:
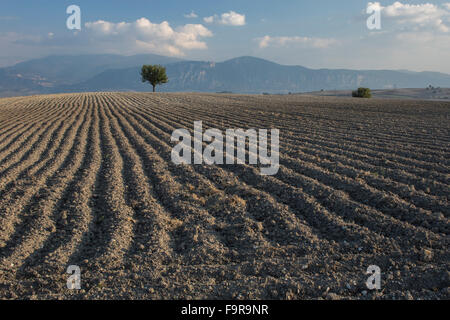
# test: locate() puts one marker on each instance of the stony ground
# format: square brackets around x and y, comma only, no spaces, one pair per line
[86,179]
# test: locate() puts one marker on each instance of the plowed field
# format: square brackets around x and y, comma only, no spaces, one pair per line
[87,180]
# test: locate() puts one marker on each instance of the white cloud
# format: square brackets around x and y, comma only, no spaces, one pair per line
[233,19]
[268,41]
[210,19]
[228,18]
[191,15]
[425,41]
[415,16]
[144,35]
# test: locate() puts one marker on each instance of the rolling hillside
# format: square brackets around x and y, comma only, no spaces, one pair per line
[240,75]
[47,74]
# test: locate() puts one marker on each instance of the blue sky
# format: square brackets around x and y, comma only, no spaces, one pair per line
[414,35]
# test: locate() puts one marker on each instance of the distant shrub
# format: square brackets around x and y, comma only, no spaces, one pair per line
[362,93]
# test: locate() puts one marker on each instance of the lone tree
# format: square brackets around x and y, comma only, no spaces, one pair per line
[155,74]
[362,93]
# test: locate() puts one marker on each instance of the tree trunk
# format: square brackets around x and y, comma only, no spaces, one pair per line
[154,88]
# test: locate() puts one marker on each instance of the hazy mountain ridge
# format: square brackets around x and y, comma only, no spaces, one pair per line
[58,74]
[45,74]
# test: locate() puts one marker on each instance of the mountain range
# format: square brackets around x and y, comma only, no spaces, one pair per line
[108,72]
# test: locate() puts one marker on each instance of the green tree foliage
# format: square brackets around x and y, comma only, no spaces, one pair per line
[362,93]
[155,74]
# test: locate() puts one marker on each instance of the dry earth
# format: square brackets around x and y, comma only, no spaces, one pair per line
[413,93]
[86,179]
